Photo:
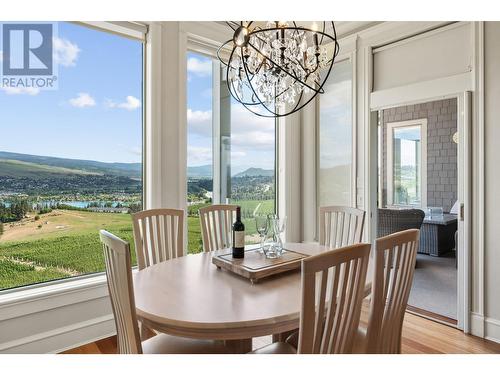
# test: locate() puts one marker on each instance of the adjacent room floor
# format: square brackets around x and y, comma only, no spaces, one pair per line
[435,285]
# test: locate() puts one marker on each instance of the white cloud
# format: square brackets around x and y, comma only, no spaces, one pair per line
[82,100]
[199,155]
[200,122]
[65,52]
[21,90]
[130,103]
[198,67]
[249,131]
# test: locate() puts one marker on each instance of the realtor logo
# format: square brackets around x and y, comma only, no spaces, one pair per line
[28,58]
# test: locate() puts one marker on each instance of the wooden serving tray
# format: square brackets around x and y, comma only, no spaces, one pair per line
[256,266]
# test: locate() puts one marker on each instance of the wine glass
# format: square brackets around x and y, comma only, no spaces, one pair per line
[262,225]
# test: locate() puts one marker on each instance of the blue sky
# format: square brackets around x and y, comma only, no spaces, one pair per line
[96,113]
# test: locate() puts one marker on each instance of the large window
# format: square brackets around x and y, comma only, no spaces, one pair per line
[406,169]
[335,138]
[200,143]
[71,159]
[224,136]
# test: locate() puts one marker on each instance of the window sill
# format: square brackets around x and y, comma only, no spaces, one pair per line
[32,299]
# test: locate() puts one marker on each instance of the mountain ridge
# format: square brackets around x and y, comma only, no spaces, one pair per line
[133,170]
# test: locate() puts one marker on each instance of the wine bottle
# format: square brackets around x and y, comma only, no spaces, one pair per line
[238,236]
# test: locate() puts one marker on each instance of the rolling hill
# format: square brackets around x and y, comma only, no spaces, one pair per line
[16,168]
[131,170]
[256,172]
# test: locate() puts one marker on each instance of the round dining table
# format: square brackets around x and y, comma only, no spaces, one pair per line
[190,297]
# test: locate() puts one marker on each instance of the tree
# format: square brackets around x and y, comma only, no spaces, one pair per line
[1,228]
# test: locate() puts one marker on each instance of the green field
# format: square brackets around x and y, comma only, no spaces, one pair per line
[67,246]
[66,243]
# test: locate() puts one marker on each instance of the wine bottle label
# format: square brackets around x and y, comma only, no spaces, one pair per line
[239,239]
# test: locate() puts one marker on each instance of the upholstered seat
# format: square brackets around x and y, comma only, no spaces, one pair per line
[276,348]
[360,342]
[163,343]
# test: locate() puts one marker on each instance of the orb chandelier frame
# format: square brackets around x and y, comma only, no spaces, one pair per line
[276,70]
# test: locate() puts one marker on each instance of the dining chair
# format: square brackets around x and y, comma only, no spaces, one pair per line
[121,292]
[158,235]
[340,226]
[216,223]
[395,257]
[332,294]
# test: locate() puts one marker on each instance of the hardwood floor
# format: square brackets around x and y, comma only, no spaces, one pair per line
[420,336]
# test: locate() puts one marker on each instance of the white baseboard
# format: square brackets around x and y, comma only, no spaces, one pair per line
[63,338]
[492,330]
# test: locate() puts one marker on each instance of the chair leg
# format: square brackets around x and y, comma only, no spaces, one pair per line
[145,332]
[281,337]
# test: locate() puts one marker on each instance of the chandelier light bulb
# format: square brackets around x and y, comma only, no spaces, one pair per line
[241,36]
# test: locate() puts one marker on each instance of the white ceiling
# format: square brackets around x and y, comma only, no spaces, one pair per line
[343,28]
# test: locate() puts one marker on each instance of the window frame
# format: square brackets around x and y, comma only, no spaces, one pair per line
[391,126]
[131,30]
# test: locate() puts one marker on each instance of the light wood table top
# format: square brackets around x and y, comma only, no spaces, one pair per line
[189,296]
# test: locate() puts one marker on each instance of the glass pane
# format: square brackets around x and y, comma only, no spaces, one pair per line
[406,165]
[71,159]
[248,145]
[335,137]
[199,144]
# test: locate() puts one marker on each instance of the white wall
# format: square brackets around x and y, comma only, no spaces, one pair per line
[434,55]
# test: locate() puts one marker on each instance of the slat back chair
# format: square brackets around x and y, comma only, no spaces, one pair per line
[158,235]
[395,258]
[121,292]
[340,226]
[332,294]
[216,223]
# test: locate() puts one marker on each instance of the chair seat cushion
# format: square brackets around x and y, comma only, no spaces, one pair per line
[167,344]
[360,342]
[276,348]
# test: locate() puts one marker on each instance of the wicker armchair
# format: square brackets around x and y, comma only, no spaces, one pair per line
[392,221]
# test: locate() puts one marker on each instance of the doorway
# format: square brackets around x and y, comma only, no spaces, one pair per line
[422,160]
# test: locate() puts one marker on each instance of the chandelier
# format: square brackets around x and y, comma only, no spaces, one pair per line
[277,69]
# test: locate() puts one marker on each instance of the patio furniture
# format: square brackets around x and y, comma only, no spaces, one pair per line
[332,282]
[437,235]
[158,235]
[396,220]
[216,225]
[395,257]
[121,292]
[207,303]
[340,226]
